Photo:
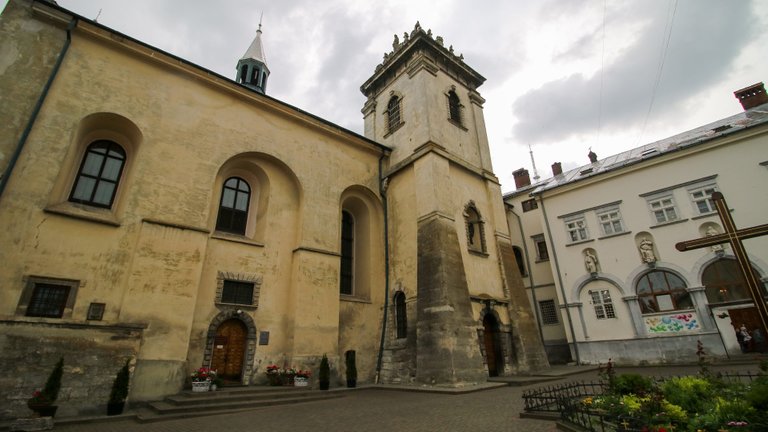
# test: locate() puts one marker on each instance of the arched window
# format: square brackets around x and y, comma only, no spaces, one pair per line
[99,174]
[401,318]
[475,231]
[519,258]
[454,107]
[724,282]
[347,253]
[233,209]
[393,114]
[660,291]
[244,74]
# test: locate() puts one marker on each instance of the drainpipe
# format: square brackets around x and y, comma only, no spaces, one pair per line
[36,110]
[530,272]
[560,281]
[383,193]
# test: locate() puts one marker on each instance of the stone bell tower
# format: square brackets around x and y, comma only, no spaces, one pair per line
[450,250]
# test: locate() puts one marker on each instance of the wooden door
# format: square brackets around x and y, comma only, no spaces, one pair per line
[492,348]
[229,350]
[746,316]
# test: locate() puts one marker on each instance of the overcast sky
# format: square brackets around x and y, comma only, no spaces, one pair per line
[562,75]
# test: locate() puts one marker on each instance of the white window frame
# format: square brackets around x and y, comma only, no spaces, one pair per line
[705,199]
[576,229]
[613,224]
[601,300]
[539,238]
[663,209]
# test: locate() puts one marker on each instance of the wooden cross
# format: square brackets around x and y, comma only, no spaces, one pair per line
[734,237]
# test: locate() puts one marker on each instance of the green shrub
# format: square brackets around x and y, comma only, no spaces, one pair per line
[632,384]
[690,393]
[120,386]
[53,385]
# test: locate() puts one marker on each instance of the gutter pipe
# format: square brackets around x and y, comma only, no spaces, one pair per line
[530,272]
[383,193]
[36,110]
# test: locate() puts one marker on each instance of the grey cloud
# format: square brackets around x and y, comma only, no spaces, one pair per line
[704,45]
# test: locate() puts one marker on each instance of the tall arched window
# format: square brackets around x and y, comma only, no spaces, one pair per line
[99,174]
[233,209]
[393,114]
[660,291]
[454,107]
[724,282]
[347,253]
[401,318]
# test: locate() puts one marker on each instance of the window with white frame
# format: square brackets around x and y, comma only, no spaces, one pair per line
[577,229]
[610,221]
[548,312]
[663,209]
[701,197]
[601,300]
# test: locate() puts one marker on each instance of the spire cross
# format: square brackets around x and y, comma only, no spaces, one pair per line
[735,236]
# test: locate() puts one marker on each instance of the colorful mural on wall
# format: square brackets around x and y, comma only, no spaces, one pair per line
[672,323]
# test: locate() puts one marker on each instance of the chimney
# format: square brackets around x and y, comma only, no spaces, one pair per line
[592,156]
[557,169]
[751,96]
[522,178]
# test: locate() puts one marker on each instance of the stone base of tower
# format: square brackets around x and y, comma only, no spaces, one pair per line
[447,349]
[528,345]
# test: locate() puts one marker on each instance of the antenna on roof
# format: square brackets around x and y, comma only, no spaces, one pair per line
[535,172]
[97,16]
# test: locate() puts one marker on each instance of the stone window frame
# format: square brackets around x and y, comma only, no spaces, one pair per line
[455,108]
[603,304]
[392,123]
[663,209]
[706,190]
[548,309]
[30,283]
[255,279]
[540,244]
[475,225]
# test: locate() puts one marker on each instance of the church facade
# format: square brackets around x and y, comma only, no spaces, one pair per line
[155,211]
[599,246]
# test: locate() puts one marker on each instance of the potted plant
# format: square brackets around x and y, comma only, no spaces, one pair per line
[273,375]
[201,380]
[349,357]
[287,375]
[216,382]
[119,391]
[302,378]
[324,376]
[41,402]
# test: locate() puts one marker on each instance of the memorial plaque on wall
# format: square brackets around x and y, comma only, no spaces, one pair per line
[264,338]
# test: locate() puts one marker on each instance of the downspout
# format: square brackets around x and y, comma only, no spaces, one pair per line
[383,193]
[560,281]
[36,110]
[530,273]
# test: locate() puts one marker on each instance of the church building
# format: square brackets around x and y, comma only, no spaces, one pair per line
[597,246]
[154,211]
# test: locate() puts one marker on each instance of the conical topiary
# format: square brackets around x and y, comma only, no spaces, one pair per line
[351,369]
[119,390]
[324,376]
[53,385]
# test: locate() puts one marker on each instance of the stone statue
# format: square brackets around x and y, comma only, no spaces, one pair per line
[590,261]
[396,42]
[711,231]
[646,250]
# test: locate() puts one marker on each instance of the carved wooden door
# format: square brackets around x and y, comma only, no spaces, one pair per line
[492,348]
[229,350]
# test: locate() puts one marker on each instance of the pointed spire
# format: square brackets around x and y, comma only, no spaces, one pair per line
[252,70]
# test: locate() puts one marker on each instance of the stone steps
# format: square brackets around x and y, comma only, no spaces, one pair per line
[228,400]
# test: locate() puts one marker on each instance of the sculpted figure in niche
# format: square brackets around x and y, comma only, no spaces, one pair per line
[646,250]
[590,262]
[711,231]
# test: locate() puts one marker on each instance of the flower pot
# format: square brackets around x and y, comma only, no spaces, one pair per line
[115,408]
[43,410]
[274,379]
[214,387]
[324,385]
[301,381]
[288,380]
[201,386]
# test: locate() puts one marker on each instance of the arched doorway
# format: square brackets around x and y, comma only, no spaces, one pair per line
[493,353]
[229,347]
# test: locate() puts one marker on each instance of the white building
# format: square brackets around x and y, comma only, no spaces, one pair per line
[598,245]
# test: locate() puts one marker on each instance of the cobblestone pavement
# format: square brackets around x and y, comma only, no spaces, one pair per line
[376,410]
